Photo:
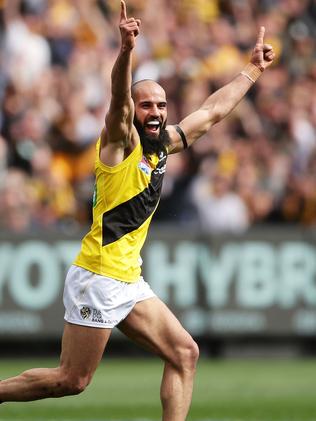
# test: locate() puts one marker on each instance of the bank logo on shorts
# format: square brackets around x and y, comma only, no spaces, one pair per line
[95,316]
[85,312]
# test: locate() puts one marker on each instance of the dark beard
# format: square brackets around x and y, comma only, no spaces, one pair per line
[151,144]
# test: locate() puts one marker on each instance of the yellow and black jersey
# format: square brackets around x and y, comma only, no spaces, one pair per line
[125,199]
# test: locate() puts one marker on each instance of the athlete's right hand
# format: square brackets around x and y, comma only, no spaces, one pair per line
[129,28]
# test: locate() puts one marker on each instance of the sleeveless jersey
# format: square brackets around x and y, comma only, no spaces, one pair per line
[124,201]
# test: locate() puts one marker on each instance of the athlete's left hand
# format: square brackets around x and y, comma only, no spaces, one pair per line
[263,54]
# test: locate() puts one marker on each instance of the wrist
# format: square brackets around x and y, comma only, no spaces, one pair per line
[126,49]
[251,72]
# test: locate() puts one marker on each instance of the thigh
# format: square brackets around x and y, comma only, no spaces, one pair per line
[152,325]
[82,348]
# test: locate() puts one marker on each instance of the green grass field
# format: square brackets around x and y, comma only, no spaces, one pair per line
[227,390]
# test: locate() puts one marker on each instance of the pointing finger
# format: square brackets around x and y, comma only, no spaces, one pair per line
[261,35]
[123,10]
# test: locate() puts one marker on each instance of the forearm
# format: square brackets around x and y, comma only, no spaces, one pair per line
[119,118]
[121,78]
[223,101]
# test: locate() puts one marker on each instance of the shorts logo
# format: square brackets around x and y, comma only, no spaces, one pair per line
[97,316]
[85,312]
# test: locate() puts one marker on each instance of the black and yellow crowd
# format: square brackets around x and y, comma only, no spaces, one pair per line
[256,167]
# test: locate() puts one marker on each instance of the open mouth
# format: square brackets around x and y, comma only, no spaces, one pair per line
[153,126]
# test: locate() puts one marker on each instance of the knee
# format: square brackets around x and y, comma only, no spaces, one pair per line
[193,353]
[72,384]
[187,355]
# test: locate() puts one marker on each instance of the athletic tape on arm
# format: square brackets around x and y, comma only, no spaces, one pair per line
[183,138]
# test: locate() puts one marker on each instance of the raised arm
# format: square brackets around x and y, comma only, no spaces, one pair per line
[224,100]
[117,135]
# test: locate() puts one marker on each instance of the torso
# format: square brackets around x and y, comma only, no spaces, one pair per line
[126,196]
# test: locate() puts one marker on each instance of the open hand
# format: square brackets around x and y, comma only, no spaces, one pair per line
[263,54]
[129,28]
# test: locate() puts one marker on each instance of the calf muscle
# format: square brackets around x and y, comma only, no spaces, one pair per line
[82,350]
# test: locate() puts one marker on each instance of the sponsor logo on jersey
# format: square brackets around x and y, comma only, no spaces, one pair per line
[161,170]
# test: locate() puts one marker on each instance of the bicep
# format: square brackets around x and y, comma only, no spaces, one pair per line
[118,136]
[193,126]
[118,124]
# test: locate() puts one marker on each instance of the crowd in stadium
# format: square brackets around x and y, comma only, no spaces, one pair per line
[257,166]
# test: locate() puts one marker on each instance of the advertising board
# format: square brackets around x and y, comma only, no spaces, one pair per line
[263,283]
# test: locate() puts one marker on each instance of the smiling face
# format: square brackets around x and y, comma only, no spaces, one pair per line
[150,107]
[151,116]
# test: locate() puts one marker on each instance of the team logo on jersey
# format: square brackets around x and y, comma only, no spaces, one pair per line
[144,166]
[85,312]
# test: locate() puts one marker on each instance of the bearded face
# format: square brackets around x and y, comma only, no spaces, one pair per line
[151,116]
[154,140]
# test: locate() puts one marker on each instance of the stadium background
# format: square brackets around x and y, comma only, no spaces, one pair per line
[232,247]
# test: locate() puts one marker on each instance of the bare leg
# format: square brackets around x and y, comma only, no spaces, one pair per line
[152,325]
[82,349]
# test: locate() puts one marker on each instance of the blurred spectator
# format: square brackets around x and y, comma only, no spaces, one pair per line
[16,202]
[220,208]
[257,166]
